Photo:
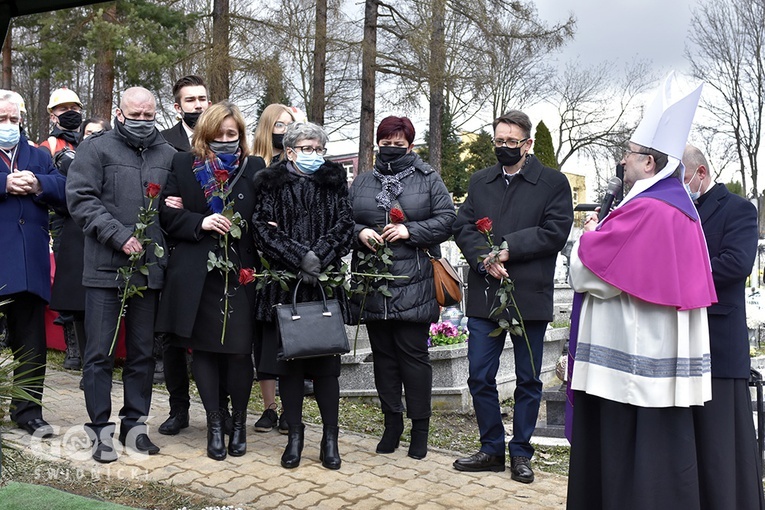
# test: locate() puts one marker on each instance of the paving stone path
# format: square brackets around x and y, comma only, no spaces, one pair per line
[257,480]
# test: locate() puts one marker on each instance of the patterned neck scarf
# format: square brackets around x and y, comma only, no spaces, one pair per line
[214,175]
[391,187]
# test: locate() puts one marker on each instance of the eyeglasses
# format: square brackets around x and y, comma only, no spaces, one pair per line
[280,125]
[628,151]
[307,149]
[511,144]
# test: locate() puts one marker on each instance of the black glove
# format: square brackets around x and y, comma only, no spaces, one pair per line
[311,264]
[308,278]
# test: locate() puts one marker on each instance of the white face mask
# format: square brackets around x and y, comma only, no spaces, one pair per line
[694,195]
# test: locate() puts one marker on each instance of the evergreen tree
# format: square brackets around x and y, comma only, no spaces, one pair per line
[480,153]
[736,188]
[452,168]
[543,146]
[274,91]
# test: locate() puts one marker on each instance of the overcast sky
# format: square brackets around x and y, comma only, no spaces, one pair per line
[619,30]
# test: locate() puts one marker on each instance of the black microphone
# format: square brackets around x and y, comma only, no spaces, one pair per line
[614,186]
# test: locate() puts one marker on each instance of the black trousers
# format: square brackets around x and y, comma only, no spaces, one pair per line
[176,376]
[26,328]
[400,354]
[101,309]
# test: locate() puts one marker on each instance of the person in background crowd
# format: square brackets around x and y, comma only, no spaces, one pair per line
[531,209]
[398,325]
[106,188]
[29,184]
[68,293]
[65,109]
[729,467]
[191,100]
[268,145]
[190,307]
[302,223]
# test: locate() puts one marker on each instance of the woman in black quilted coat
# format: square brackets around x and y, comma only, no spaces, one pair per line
[403,202]
[303,224]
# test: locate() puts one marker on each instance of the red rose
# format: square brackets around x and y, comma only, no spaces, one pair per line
[484,225]
[153,189]
[246,275]
[397,215]
[221,176]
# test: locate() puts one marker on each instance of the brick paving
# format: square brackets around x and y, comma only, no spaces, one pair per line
[257,480]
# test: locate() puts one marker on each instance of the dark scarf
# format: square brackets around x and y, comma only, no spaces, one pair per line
[204,172]
[390,176]
[72,137]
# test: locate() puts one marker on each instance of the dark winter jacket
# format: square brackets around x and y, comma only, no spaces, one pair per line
[105,189]
[429,214]
[311,213]
[533,214]
[24,224]
[187,264]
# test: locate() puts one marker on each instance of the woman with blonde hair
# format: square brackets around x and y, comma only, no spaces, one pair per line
[214,181]
[268,145]
[270,132]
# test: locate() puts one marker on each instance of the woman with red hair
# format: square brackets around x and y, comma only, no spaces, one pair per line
[404,204]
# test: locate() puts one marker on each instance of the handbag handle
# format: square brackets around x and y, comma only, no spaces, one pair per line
[325,311]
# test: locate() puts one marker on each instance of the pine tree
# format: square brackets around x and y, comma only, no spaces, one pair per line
[480,153]
[452,168]
[274,91]
[543,146]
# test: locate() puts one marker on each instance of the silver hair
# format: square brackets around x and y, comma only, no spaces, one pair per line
[298,131]
[11,97]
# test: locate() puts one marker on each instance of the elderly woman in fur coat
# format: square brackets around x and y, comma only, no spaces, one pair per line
[302,223]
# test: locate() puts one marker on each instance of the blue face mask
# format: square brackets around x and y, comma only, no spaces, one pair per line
[9,135]
[693,194]
[308,163]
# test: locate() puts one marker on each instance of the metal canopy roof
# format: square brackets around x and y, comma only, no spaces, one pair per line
[12,8]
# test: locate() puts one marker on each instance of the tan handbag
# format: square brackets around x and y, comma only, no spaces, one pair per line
[447,282]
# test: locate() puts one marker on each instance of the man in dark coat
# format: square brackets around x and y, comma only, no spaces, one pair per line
[531,209]
[727,449]
[106,187]
[29,183]
[190,95]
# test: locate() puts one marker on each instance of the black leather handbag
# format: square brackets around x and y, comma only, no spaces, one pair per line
[310,329]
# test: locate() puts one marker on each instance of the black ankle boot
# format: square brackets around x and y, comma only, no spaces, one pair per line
[418,447]
[329,454]
[394,427]
[294,449]
[237,444]
[72,360]
[216,444]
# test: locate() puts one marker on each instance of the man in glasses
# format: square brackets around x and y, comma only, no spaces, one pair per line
[530,207]
[641,348]
[106,188]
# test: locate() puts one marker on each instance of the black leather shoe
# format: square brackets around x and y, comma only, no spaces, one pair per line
[141,444]
[520,467]
[481,461]
[174,424]
[104,451]
[38,428]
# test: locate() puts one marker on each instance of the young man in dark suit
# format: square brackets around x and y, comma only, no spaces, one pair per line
[727,449]
[190,95]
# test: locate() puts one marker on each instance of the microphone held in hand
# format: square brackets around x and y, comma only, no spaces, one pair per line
[614,186]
